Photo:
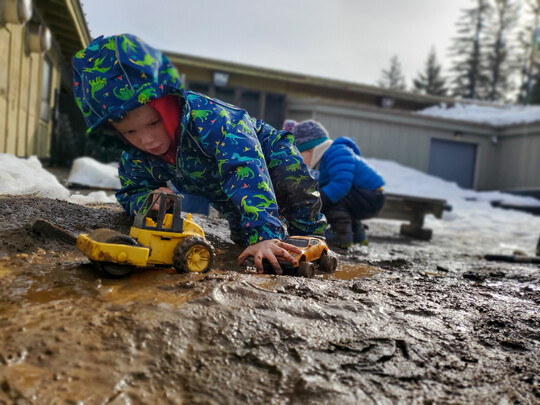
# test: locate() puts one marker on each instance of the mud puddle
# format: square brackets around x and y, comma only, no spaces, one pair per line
[352,271]
[399,322]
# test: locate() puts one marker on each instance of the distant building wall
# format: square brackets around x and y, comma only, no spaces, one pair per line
[406,138]
[519,164]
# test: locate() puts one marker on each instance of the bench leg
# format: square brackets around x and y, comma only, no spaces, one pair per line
[415,229]
[416,232]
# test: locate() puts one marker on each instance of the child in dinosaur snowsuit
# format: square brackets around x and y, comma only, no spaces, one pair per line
[249,171]
[351,190]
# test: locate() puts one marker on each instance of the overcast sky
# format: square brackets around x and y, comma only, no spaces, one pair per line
[350,40]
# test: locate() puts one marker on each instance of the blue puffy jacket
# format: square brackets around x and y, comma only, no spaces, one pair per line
[342,167]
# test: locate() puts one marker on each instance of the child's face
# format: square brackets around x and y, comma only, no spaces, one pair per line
[307,155]
[143,128]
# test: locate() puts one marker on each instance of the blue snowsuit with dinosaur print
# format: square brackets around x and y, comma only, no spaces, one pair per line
[250,172]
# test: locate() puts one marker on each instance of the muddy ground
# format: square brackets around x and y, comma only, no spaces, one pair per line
[401,321]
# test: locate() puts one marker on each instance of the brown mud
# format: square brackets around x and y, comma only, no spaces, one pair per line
[401,321]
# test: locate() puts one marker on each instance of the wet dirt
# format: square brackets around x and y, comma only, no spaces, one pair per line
[401,321]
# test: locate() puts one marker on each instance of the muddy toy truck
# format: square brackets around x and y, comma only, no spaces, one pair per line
[168,239]
[315,255]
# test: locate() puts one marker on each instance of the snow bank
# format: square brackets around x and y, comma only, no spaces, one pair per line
[472,217]
[27,176]
[496,116]
[408,181]
[90,172]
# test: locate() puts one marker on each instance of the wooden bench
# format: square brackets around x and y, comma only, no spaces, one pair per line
[413,209]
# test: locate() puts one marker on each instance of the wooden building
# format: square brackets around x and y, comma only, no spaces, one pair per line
[37,41]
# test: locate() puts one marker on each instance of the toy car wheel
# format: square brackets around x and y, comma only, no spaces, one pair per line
[109,236]
[305,269]
[267,267]
[193,254]
[327,263]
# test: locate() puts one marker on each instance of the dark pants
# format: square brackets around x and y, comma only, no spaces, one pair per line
[358,204]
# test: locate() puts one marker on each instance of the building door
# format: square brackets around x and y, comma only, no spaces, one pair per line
[453,161]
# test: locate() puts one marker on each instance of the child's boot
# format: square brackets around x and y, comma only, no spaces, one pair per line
[359,233]
[340,234]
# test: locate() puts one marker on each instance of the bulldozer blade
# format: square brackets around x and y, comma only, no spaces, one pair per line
[46,229]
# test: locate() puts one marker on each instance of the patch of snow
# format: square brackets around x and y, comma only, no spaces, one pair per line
[94,197]
[496,116]
[20,176]
[90,172]
[408,181]
[27,176]
[472,217]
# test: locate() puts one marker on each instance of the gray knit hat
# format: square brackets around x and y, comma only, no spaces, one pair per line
[308,134]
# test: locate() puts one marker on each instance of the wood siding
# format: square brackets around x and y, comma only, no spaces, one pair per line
[22,132]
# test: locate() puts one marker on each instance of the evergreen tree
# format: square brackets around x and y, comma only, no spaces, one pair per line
[500,62]
[393,78]
[430,81]
[530,56]
[468,52]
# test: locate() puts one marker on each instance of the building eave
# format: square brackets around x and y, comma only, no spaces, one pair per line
[315,81]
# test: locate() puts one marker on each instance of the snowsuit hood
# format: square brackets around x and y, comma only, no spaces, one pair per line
[348,142]
[120,73]
[342,168]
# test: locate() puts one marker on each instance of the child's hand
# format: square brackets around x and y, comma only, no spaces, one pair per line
[272,250]
[155,204]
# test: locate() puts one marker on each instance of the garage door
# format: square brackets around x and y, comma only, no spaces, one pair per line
[453,161]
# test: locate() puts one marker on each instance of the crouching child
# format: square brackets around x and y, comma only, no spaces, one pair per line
[351,190]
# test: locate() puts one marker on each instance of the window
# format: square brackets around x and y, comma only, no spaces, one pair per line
[225,94]
[274,112]
[249,101]
[298,242]
[199,87]
[46,79]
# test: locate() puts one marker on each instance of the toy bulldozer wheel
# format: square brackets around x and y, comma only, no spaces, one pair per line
[193,254]
[109,236]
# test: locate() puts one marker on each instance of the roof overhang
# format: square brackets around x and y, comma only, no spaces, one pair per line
[65,19]
[374,92]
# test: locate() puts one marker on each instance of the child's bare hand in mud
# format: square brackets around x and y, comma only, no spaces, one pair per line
[271,250]
[155,205]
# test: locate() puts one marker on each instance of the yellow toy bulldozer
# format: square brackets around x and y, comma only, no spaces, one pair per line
[165,240]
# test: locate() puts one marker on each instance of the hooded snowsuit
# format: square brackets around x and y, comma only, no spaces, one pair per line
[351,191]
[343,168]
[243,166]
